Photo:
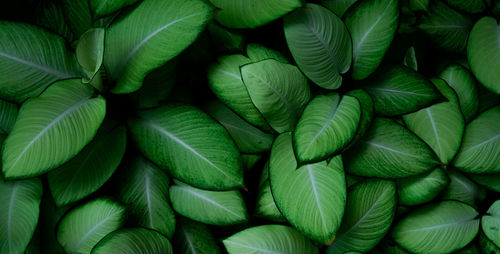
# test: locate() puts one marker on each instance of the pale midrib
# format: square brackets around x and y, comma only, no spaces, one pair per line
[256,249]
[392,150]
[231,74]
[9,215]
[323,42]
[190,242]
[275,91]
[438,226]
[434,130]
[84,238]
[213,202]
[316,197]
[242,130]
[53,72]
[483,143]
[396,91]
[148,200]
[325,125]
[467,187]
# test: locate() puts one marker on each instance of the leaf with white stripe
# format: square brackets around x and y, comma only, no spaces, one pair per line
[437,228]
[220,208]
[192,237]
[388,150]
[372,25]
[422,188]
[19,211]
[149,36]
[144,188]
[188,143]
[312,198]
[84,226]
[134,240]
[369,212]
[480,150]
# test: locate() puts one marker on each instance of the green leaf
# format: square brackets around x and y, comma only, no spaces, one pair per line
[19,213]
[149,36]
[187,142]
[410,59]
[483,53]
[470,6]
[490,223]
[279,91]
[398,90]
[439,228]
[447,28]
[419,5]
[339,7]
[312,198]
[50,15]
[82,227]
[102,8]
[248,138]
[269,239]
[133,241]
[328,124]
[144,188]
[249,161]
[227,39]
[422,188]
[368,215]
[462,189]
[441,125]
[52,128]
[33,59]
[487,99]
[90,52]
[257,53]
[388,150]
[366,103]
[209,207]
[462,81]
[91,168]
[372,25]
[253,13]
[266,206]
[486,245]
[480,150]
[8,116]
[77,15]
[320,44]
[157,85]
[192,237]
[488,181]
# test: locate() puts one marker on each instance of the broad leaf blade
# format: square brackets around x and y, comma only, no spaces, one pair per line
[8,116]
[339,7]
[102,8]
[462,189]
[422,188]
[133,240]
[490,222]
[192,237]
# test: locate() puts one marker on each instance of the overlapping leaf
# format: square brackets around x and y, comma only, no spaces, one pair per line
[103,7]
[462,189]
[192,237]
[257,52]
[133,240]
[266,206]
[490,223]
[90,51]
[339,7]
[422,188]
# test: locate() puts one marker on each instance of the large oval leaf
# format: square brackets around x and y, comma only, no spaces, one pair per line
[19,210]
[269,239]
[278,90]
[84,226]
[328,124]
[388,150]
[369,213]
[33,59]
[192,146]
[209,207]
[252,13]
[438,228]
[320,44]
[192,237]
[483,53]
[462,189]
[422,188]
[52,128]
[490,223]
[133,241]
[312,197]
[149,36]
[480,151]
[372,25]
[90,168]
[90,52]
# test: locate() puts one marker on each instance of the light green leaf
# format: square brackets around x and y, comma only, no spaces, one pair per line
[490,223]
[462,189]
[388,150]
[470,6]
[266,206]
[187,142]
[312,198]
[192,237]
[133,241]
[339,7]
[149,36]
[480,150]
[366,102]
[90,52]
[8,116]
[269,239]
[368,215]
[19,210]
[279,91]
[209,207]
[372,25]
[398,90]
[84,226]
[462,81]
[248,138]
[144,188]
[438,228]
[52,128]
[225,81]
[252,13]
[320,44]
[410,59]
[441,125]
[102,8]
[328,124]
[33,59]
[257,53]
[77,15]
[483,53]
[422,188]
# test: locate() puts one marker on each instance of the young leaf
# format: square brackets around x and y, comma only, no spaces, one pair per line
[490,223]
[187,142]
[320,44]
[52,129]
[266,206]
[133,240]
[339,7]
[422,188]
[90,52]
[102,8]
[462,189]
[149,36]
[279,91]
[312,197]
[269,239]
[372,25]
[438,228]
[192,237]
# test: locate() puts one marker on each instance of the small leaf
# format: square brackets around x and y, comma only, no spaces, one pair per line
[490,223]
[410,59]
[192,237]
[422,188]
[90,52]
[266,206]
[102,8]
[133,240]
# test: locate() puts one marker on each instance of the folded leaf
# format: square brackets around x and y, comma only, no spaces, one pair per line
[90,52]
[320,44]
[193,237]
[133,240]
[52,129]
[104,7]
[410,59]
[422,188]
